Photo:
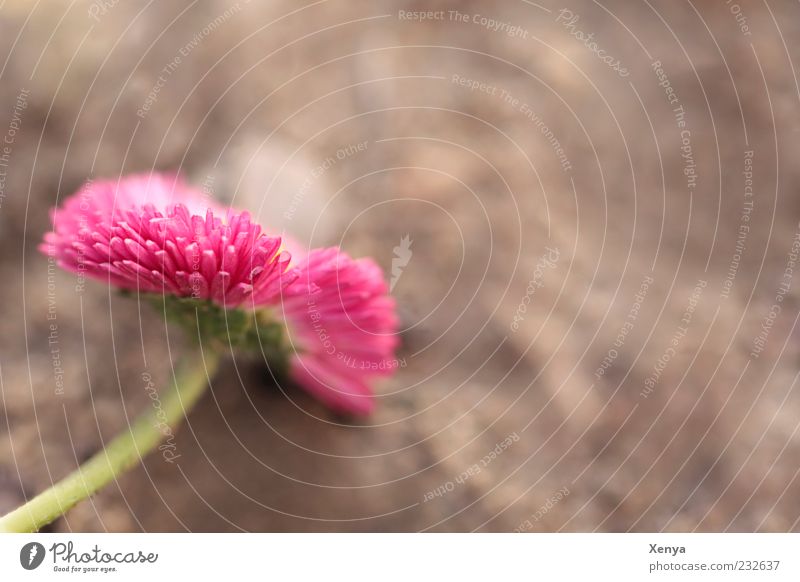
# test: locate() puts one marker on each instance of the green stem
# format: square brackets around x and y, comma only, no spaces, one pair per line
[122,453]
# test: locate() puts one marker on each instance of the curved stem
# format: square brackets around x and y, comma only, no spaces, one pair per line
[122,453]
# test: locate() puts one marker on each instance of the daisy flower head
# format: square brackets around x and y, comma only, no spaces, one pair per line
[155,234]
[343,332]
[326,318]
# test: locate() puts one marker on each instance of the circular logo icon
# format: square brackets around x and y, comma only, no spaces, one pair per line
[31,555]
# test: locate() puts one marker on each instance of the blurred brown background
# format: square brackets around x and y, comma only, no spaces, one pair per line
[563,142]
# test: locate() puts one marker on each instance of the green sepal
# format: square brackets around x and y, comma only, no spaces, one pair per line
[205,322]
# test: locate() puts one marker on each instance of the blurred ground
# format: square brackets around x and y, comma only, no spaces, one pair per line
[564,209]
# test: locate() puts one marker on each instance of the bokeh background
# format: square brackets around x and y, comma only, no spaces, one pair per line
[600,297]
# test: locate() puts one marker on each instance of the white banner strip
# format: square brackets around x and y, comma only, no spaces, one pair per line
[401,557]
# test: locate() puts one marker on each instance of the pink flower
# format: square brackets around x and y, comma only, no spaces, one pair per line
[344,332]
[154,234]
